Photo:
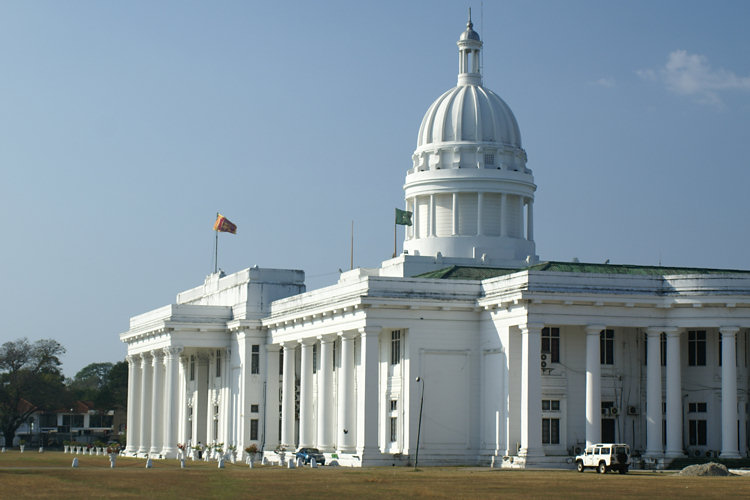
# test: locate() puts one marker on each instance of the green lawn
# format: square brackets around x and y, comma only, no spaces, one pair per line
[49,475]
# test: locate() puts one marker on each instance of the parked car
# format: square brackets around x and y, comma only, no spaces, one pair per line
[307,454]
[605,457]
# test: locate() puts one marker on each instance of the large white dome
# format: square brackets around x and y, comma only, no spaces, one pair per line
[469,189]
[469,113]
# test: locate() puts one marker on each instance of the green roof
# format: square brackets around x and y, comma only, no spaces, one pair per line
[483,273]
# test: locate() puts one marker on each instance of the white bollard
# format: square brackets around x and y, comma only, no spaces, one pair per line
[75,463]
[3,450]
[148,463]
[264,461]
[300,462]
[221,462]
[112,460]
[250,463]
[313,463]
[41,449]
[290,464]
[182,463]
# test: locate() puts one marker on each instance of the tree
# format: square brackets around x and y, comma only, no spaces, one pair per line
[104,384]
[89,381]
[30,380]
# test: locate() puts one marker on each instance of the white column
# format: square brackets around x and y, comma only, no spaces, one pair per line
[674,395]
[431,210]
[454,230]
[287,398]
[171,422]
[531,391]
[593,385]
[157,422]
[503,214]
[367,393]
[520,217]
[530,219]
[416,220]
[654,415]
[271,410]
[134,395]
[325,394]
[306,438]
[480,214]
[728,392]
[145,406]
[182,403]
[346,421]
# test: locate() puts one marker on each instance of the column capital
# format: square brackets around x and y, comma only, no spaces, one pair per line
[273,347]
[156,356]
[370,330]
[595,329]
[729,331]
[145,357]
[172,351]
[673,331]
[531,328]
[288,345]
[349,335]
[653,331]
[132,359]
[328,338]
[307,342]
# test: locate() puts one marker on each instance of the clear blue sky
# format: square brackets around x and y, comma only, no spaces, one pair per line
[125,126]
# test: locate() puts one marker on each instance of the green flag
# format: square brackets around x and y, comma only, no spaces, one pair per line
[403,217]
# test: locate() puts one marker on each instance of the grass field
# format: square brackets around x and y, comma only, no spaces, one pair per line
[49,475]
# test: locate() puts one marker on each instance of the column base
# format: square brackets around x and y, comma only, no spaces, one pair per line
[729,454]
[653,454]
[674,454]
[169,452]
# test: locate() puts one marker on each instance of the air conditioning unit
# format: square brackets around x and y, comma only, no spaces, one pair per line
[632,410]
[544,356]
[614,411]
[605,412]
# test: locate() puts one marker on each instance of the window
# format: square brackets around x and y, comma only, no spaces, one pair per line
[720,353]
[697,431]
[192,368]
[489,159]
[394,420]
[281,361]
[550,431]
[550,405]
[253,429]
[253,408]
[697,348]
[255,359]
[395,347]
[607,347]
[315,358]
[218,362]
[333,354]
[551,344]
[697,407]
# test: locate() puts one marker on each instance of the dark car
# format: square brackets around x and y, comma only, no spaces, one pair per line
[307,454]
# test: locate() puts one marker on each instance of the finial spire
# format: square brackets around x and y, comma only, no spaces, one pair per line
[469,24]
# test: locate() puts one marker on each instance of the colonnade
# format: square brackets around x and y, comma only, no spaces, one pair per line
[531,395]
[354,428]
[505,227]
[153,402]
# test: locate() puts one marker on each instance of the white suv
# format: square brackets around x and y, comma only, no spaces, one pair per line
[605,457]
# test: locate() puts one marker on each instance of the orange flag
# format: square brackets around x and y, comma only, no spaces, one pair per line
[223,225]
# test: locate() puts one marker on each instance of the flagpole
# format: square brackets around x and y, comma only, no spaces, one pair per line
[394,238]
[216,249]
[351,251]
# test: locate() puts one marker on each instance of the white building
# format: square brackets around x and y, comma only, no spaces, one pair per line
[515,362]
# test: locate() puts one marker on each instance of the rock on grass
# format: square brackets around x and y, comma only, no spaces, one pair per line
[709,469]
